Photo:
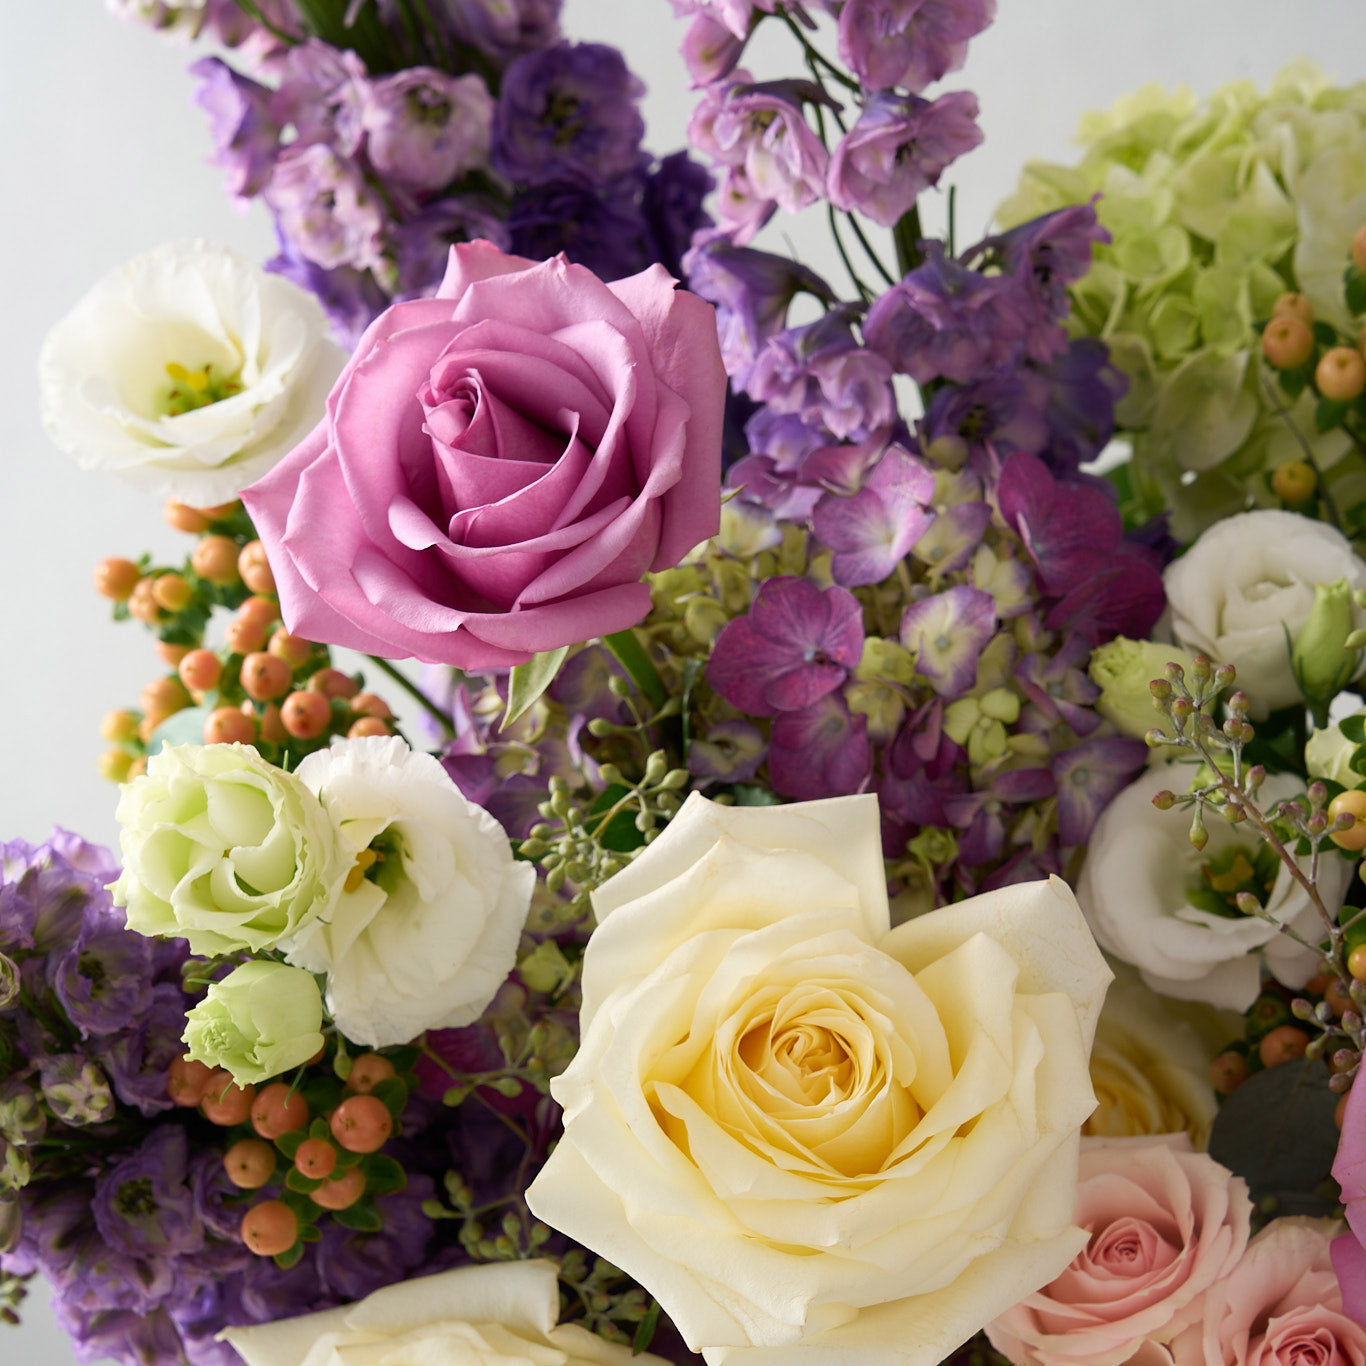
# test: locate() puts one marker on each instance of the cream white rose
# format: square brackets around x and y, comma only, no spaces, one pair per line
[1140,875]
[502,1314]
[1246,585]
[426,928]
[187,371]
[810,1136]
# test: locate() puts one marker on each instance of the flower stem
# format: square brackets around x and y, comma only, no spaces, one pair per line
[440,717]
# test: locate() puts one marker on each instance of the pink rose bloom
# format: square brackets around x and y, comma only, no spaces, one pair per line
[1349,1171]
[1166,1223]
[499,465]
[1280,1306]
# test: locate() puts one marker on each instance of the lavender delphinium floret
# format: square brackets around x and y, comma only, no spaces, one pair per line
[136,1058]
[100,979]
[322,93]
[908,43]
[425,129]
[601,228]
[143,1205]
[326,209]
[245,136]
[501,29]
[673,206]
[569,113]
[421,245]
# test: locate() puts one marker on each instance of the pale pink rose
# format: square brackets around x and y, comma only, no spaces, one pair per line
[1166,1223]
[1280,1306]
[499,465]
[1349,1171]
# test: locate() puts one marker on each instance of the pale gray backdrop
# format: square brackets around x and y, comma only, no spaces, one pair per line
[103,158]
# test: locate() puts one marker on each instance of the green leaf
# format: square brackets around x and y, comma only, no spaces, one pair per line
[289,1143]
[1294,382]
[393,1093]
[284,1260]
[383,1175]
[1276,1131]
[1355,290]
[630,654]
[1325,334]
[362,1217]
[645,1329]
[750,794]
[528,681]
[1353,728]
[295,1180]
[185,727]
[1328,413]
[322,1094]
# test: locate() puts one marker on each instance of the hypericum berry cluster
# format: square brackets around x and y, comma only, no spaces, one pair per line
[312,1147]
[1311,354]
[262,686]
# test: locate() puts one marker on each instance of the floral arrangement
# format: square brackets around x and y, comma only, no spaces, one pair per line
[776,937]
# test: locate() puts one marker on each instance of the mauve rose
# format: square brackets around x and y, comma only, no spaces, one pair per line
[1165,1224]
[499,465]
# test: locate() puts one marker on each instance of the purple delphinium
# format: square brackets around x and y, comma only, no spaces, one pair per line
[421,245]
[501,29]
[908,43]
[326,208]
[143,1205]
[601,228]
[425,129]
[351,298]
[710,50]
[672,203]
[245,136]
[899,147]
[797,643]
[322,92]
[569,113]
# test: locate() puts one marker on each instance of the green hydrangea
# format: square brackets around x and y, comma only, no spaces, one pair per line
[1215,207]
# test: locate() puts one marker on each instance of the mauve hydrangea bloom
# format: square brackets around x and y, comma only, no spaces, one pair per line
[947,632]
[325,208]
[424,129]
[246,138]
[908,43]
[899,147]
[730,752]
[797,644]
[568,113]
[820,751]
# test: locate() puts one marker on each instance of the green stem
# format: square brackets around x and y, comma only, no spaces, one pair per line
[816,57]
[253,11]
[868,248]
[407,684]
[630,654]
[865,293]
[907,235]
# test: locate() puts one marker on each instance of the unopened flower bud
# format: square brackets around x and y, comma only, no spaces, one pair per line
[1201,669]
[15,1168]
[1254,777]
[77,1092]
[1199,836]
[1164,800]
[1182,709]
[1299,1007]
[1249,905]
[1224,675]
[1321,659]
[9,980]
[1240,704]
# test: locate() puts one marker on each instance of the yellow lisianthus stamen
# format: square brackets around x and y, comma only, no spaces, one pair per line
[364,861]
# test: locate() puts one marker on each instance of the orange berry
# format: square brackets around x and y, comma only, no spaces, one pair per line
[172,592]
[139,767]
[187,1081]
[254,568]
[171,655]
[1227,1072]
[148,725]
[165,695]
[370,704]
[333,683]
[342,1191]
[367,725]
[118,727]
[316,1158]
[244,636]
[305,715]
[142,603]
[368,1070]
[279,1109]
[1359,249]
[1287,341]
[1293,481]
[1341,373]
[200,670]
[1356,965]
[1351,803]
[184,518]
[1282,1044]
[270,1228]
[264,676]
[228,726]
[361,1124]
[1294,305]
[249,1163]
[224,1102]
[215,559]
[294,650]
[266,611]
[272,727]
[114,765]
[116,578]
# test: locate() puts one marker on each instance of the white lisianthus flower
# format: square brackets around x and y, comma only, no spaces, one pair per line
[1244,590]
[499,1314]
[808,1135]
[426,928]
[188,371]
[1148,898]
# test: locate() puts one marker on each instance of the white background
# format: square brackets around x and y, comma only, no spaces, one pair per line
[103,157]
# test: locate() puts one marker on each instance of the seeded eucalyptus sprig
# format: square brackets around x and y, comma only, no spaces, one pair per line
[1188,702]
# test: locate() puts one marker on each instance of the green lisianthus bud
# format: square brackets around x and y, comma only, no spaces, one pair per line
[1322,662]
[1122,670]
[262,1019]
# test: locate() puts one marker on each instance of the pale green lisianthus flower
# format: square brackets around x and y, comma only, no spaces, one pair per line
[1215,207]
[262,1019]
[1122,669]
[224,850]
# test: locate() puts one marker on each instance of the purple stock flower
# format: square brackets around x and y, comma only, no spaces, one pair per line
[944,320]
[947,632]
[325,209]
[48,892]
[568,114]
[899,147]
[797,644]
[424,129]
[136,1059]
[143,1206]
[908,43]
[246,138]
[144,1337]
[752,291]
[819,751]
[1088,777]
[672,204]
[873,529]
[352,1266]
[761,127]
